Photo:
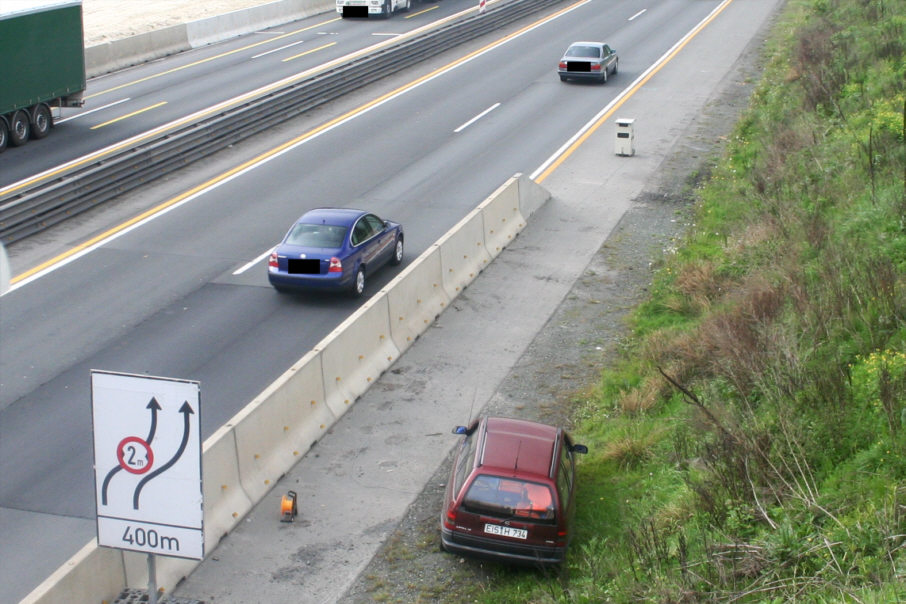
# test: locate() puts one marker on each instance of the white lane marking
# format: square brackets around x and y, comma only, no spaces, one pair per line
[84,113]
[253,262]
[277,49]
[638,14]
[478,117]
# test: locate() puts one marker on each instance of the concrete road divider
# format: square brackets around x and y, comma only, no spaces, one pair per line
[356,353]
[243,460]
[416,297]
[502,218]
[531,196]
[463,254]
[280,425]
[225,502]
[86,577]
[236,23]
[117,54]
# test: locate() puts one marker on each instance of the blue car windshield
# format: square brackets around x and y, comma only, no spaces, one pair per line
[316,235]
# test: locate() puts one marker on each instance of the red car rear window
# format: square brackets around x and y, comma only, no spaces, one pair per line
[510,497]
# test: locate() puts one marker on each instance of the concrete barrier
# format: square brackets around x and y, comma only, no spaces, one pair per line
[280,425]
[134,50]
[356,353]
[90,575]
[463,254]
[416,297]
[531,196]
[225,502]
[242,460]
[502,219]
[236,23]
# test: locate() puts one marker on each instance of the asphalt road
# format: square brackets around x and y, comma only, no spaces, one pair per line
[162,299]
[133,101]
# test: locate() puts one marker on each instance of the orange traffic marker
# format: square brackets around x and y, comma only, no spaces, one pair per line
[288,509]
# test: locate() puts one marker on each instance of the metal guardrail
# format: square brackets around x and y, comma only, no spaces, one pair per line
[49,203]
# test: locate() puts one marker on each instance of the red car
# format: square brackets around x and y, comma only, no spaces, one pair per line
[511,493]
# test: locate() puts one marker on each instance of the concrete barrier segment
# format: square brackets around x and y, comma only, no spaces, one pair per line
[93,574]
[280,425]
[225,502]
[236,23]
[502,219]
[118,54]
[463,254]
[531,196]
[416,297]
[356,353]
[141,48]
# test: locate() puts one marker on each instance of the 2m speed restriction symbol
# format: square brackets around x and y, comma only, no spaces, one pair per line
[147,464]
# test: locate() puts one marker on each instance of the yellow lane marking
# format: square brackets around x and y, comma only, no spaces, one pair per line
[626,96]
[308,52]
[209,59]
[128,115]
[421,12]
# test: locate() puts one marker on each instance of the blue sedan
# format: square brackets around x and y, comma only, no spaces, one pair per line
[334,248]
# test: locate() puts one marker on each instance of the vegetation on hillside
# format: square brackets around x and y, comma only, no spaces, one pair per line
[751,444]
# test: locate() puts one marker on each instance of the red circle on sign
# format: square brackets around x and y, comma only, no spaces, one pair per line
[131,460]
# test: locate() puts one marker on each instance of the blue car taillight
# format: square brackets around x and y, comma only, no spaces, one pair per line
[336,266]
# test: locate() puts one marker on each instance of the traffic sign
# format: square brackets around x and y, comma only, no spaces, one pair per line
[147,464]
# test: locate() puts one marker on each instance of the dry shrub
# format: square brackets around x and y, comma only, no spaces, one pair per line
[632,450]
[757,232]
[640,400]
[737,335]
[814,61]
[772,175]
[699,285]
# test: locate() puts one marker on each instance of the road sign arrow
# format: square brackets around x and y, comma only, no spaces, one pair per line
[186,410]
[154,406]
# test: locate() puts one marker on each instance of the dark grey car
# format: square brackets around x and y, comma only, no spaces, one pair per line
[588,61]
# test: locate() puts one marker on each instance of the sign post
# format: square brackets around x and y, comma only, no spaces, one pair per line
[147,465]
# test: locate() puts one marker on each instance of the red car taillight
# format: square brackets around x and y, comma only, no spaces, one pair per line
[562,65]
[595,67]
[335,265]
[450,518]
[272,261]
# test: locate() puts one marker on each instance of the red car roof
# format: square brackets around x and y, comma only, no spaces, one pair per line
[519,446]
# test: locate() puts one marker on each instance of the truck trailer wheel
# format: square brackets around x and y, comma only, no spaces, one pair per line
[4,133]
[19,128]
[41,121]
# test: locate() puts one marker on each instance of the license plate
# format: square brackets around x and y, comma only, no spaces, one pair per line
[505,531]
